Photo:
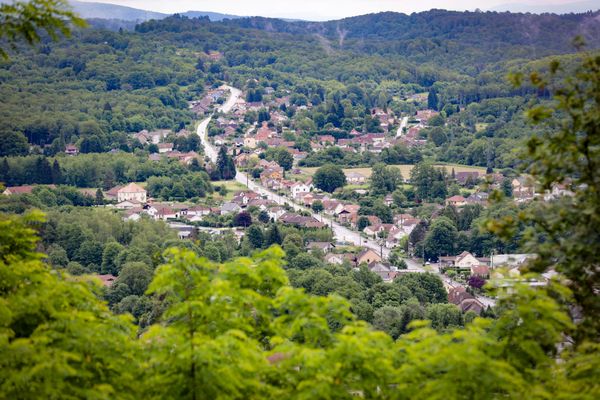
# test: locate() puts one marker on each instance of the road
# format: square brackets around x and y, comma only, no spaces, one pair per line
[403,124]
[341,233]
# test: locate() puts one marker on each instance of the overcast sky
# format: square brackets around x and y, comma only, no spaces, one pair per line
[316,9]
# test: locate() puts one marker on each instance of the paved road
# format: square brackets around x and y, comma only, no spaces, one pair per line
[340,232]
[403,124]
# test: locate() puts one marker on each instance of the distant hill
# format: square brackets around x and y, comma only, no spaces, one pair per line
[479,29]
[576,7]
[124,14]
[113,11]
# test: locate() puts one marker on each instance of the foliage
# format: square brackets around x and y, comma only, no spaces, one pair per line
[329,177]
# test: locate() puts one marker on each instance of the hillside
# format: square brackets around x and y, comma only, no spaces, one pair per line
[550,31]
[92,10]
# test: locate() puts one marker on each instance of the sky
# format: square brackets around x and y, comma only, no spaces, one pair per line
[316,9]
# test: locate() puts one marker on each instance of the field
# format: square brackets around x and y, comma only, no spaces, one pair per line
[231,186]
[404,169]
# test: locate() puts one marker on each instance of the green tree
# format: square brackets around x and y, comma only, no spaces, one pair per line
[136,276]
[329,177]
[225,167]
[56,323]
[441,239]
[23,21]
[566,151]
[13,143]
[432,99]
[384,179]
[273,236]
[255,236]
[109,258]
[317,206]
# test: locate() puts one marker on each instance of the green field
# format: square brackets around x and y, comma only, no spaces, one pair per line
[231,186]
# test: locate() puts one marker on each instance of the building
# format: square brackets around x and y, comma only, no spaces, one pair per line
[456,201]
[132,192]
[71,150]
[367,256]
[354,178]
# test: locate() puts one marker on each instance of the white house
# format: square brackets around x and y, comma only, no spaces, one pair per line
[132,192]
[300,188]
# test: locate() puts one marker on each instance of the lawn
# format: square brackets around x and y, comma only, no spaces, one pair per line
[405,169]
[231,186]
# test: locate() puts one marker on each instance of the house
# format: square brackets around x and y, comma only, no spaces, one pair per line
[336,259]
[383,269]
[326,139]
[230,207]
[367,256]
[11,190]
[184,231]
[375,230]
[276,212]
[299,188]
[464,260]
[456,201]
[133,214]
[325,247]
[133,192]
[300,221]
[482,271]
[71,150]
[388,200]
[165,148]
[354,178]
[128,205]
[459,296]
[347,212]
[164,213]
[425,115]
[480,198]
[250,142]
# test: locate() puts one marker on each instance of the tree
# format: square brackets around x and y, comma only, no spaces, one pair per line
[317,206]
[476,282]
[13,143]
[329,177]
[109,258]
[566,151]
[441,238]
[305,261]
[25,20]
[89,253]
[57,178]
[443,316]
[99,197]
[507,187]
[384,179]
[136,276]
[362,223]
[243,219]
[273,236]
[225,168]
[432,99]
[56,323]
[255,236]
[57,256]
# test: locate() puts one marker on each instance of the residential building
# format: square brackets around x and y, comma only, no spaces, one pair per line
[133,192]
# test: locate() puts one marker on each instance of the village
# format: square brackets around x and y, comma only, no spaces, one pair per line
[256,133]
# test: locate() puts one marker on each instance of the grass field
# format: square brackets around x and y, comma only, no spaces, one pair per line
[231,186]
[404,169]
